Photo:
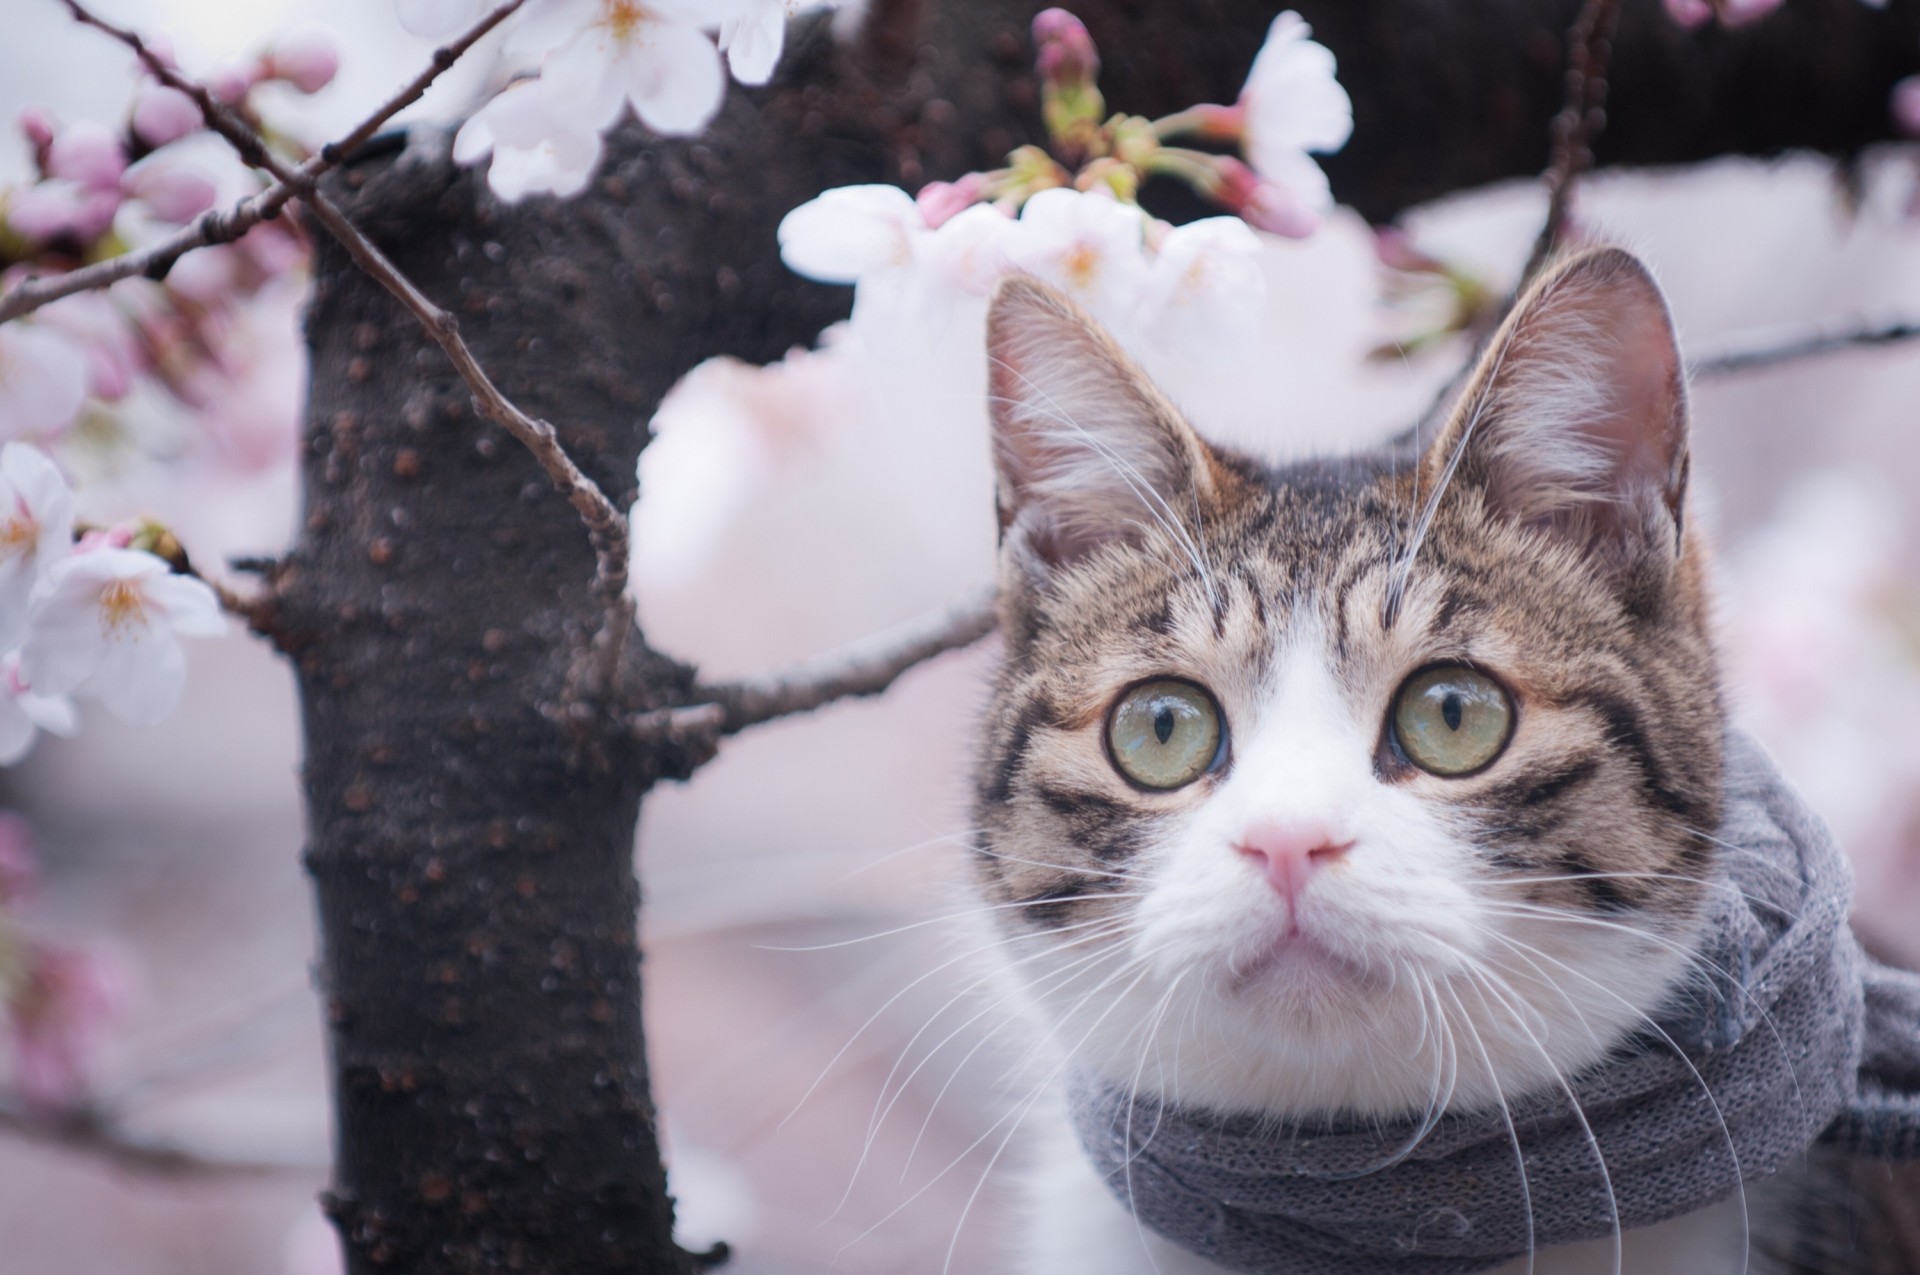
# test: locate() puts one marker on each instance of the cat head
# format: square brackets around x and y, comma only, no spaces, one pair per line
[1358,783]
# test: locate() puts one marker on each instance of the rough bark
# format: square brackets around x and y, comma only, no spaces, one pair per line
[471,836]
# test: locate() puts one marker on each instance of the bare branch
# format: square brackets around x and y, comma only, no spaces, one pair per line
[1589,48]
[93,1131]
[1745,354]
[224,225]
[867,667]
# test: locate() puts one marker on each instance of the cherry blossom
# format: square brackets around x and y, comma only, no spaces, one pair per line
[307,60]
[24,714]
[1205,293]
[162,115]
[104,624]
[61,999]
[43,380]
[753,41]
[651,54]
[874,238]
[539,145]
[36,530]
[1089,245]
[1291,105]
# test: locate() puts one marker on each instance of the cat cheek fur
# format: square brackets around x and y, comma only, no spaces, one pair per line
[1539,537]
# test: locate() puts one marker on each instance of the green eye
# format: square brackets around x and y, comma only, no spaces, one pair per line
[1165,734]
[1451,720]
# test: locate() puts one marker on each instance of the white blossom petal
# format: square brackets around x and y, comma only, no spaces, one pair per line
[540,145]
[844,234]
[104,625]
[902,309]
[140,677]
[672,75]
[1206,293]
[1293,100]
[970,249]
[753,43]
[36,530]
[190,606]
[1089,245]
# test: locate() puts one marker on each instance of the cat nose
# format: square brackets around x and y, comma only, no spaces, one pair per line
[1288,854]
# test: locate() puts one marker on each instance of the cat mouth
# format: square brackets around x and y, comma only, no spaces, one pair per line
[1296,958]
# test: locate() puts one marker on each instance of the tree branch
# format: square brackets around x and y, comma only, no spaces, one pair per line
[867,667]
[606,525]
[1579,123]
[224,225]
[1746,354]
[95,1132]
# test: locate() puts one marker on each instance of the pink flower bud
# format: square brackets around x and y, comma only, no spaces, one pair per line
[87,153]
[39,126]
[941,202]
[1394,249]
[1066,52]
[56,209]
[173,191]
[18,868]
[307,60]
[162,115]
[231,84]
[1689,13]
[1262,204]
[1906,105]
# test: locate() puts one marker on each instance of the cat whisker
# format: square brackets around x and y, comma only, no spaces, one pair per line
[1694,958]
[1746,1227]
[1506,1115]
[932,920]
[1050,982]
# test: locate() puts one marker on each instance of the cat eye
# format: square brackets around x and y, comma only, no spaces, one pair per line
[1165,734]
[1451,720]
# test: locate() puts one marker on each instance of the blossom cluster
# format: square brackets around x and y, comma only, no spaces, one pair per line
[55,998]
[98,618]
[596,58]
[102,192]
[1197,289]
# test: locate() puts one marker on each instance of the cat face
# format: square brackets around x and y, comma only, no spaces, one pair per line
[1361,785]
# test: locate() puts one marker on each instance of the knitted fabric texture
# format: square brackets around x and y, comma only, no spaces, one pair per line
[1792,1036]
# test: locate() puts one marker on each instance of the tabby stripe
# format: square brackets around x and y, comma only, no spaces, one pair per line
[1605,891]
[1038,712]
[1624,729]
[1049,908]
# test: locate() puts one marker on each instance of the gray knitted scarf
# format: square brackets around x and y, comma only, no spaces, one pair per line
[1817,1043]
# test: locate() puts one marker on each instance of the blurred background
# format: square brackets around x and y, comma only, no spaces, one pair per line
[836,1086]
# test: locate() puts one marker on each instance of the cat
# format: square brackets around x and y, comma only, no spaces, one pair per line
[1291,774]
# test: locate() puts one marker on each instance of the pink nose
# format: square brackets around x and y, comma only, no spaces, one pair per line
[1288,854]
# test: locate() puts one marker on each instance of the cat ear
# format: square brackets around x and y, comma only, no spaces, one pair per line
[1087,451]
[1576,418]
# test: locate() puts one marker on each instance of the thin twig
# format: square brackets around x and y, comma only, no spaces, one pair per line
[867,667]
[92,1131]
[1579,123]
[1746,353]
[606,525]
[224,225]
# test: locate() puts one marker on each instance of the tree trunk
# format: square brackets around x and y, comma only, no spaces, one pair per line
[471,833]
